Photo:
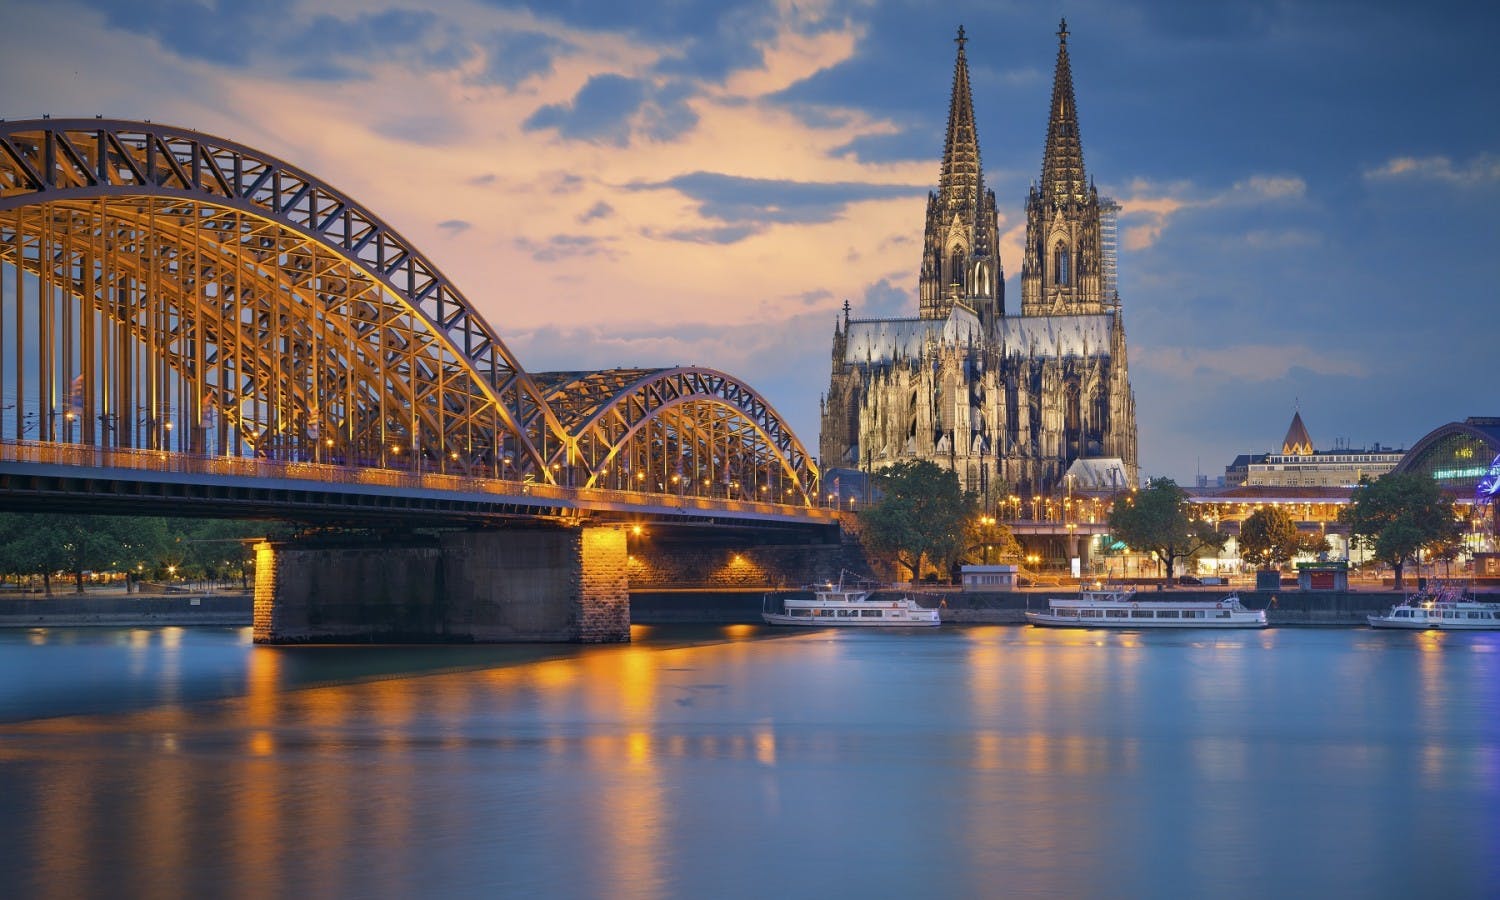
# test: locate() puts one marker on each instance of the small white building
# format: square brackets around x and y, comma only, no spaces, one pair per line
[989,578]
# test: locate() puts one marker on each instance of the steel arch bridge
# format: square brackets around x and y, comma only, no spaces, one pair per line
[169,291]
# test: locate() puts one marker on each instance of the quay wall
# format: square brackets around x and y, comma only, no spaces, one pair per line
[65,609]
[661,606]
[1284,607]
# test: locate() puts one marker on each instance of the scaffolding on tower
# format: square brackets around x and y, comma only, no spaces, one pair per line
[1109,250]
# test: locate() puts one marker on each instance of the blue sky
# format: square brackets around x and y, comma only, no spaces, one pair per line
[1310,189]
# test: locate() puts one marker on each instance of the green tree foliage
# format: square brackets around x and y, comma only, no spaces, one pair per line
[989,540]
[43,544]
[1397,515]
[46,543]
[1161,519]
[921,515]
[1269,537]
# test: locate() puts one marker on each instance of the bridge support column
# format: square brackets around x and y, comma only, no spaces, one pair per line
[548,585]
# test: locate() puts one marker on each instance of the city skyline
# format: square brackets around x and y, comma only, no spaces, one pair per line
[1306,193]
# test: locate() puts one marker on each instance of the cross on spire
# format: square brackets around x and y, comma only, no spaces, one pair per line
[960,40]
[1062,31]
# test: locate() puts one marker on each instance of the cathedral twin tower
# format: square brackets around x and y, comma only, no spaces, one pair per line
[1015,404]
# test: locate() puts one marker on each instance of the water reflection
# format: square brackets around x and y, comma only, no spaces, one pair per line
[681,765]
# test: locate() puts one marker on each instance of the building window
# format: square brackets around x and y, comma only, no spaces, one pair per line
[1060,266]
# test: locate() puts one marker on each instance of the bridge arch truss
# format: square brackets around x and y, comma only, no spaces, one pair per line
[169,290]
[683,430]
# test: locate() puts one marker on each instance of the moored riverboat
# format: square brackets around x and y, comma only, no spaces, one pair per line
[845,603]
[1122,608]
[1444,608]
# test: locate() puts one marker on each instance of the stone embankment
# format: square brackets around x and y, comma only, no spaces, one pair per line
[1284,607]
[124,610]
[686,606]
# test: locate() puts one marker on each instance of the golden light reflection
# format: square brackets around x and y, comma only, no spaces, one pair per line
[765,745]
[262,684]
[262,743]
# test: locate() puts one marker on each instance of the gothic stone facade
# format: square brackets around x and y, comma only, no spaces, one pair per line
[1007,402]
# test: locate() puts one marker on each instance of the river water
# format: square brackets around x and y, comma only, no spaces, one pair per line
[980,761]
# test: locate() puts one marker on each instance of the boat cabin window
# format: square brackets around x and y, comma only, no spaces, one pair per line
[1403,614]
[800,612]
[848,613]
[1140,614]
[1092,613]
[1224,614]
[1116,613]
[1166,614]
[1190,614]
[871,613]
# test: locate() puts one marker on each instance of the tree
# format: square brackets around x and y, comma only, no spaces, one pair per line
[987,539]
[1397,515]
[44,543]
[921,514]
[1269,537]
[1161,519]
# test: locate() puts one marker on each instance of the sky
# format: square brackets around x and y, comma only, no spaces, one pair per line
[1310,189]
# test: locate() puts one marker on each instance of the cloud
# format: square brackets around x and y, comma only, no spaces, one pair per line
[600,210]
[610,108]
[565,246]
[726,234]
[455,226]
[1147,208]
[883,300]
[915,143]
[512,56]
[1480,170]
[1246,363]
[282,34]
[730,198]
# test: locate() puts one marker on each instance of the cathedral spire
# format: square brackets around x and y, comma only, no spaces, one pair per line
[960,183]
[1062,163]
[960,250]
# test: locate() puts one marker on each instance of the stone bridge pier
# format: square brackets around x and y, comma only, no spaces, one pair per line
[544,584]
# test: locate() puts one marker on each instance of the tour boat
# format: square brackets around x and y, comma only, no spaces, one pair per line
[845,602]
[1442,607]
[1120,608]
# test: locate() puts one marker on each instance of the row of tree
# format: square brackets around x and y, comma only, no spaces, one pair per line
[922,518]
[44,544]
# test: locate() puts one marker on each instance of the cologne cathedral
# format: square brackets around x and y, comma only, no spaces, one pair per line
[1021,403]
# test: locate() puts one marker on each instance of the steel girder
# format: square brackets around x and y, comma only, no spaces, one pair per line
[666,427]
[51,162]
[165,276]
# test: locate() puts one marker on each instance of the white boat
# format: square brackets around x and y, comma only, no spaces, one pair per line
[1123,608]
[1443,608]
[844,603]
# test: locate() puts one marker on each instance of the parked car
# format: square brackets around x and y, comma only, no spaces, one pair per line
[1189,579]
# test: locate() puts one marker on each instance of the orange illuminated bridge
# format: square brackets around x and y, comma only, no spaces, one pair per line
[192,325]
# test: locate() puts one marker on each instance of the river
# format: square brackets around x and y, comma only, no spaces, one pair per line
[978,761]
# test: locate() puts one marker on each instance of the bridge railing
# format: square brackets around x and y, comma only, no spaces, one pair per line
[80,456]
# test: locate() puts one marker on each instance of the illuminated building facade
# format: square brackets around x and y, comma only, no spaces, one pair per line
[1299,465]
[1006,401]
